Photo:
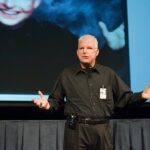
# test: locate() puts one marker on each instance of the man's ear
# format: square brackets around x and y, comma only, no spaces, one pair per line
[37,3]
[98,51]
[77,52]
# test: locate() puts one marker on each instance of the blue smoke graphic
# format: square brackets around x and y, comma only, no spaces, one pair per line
[82,17]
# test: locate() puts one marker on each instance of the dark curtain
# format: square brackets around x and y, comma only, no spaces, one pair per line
[128,134]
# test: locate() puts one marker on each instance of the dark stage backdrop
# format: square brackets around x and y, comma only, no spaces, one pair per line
[34,51]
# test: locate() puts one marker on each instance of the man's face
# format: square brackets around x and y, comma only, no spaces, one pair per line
[87,52]
[13,12]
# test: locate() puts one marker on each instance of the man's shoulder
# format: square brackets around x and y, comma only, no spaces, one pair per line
[103,68]
[71,69]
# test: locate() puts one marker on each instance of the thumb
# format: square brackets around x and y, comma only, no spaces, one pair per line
[40,94]
[104,28]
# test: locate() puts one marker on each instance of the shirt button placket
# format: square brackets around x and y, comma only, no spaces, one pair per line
[91,96]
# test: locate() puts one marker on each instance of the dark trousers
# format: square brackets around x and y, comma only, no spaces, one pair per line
[88,137]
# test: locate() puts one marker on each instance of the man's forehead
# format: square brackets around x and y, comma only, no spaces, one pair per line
[86,40]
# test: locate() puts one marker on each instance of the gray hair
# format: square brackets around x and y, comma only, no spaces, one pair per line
[90,36]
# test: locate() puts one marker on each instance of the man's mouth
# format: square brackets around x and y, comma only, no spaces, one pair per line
[9,11]
[85,56]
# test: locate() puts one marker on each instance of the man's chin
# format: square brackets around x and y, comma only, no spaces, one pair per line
[8,22]
[12,27]
[14,20]
[86,64]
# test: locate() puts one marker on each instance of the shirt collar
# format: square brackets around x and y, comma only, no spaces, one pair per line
[78,69]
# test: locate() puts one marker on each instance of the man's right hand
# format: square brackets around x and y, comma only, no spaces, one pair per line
[42,102]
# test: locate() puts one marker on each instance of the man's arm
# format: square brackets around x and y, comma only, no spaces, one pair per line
[123,95]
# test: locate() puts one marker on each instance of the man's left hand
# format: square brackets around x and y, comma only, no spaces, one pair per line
[146,92]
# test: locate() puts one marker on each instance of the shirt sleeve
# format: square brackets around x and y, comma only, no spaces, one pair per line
[56,97]
[123,96]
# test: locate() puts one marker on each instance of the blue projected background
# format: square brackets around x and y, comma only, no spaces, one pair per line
[34,51]
[139,43]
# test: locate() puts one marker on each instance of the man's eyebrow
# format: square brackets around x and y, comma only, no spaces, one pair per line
[81,47]
[89,47]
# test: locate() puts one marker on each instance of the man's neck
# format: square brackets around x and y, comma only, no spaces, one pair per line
[84,66]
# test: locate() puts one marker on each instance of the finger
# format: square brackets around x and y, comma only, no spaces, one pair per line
[42,105]
[40,94]
[147,88]
[103,27]
[36,102]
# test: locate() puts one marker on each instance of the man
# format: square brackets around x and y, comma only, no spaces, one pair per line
[91,91]
[13,12]
[26,47]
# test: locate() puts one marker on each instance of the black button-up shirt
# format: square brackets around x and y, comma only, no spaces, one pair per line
[92,93]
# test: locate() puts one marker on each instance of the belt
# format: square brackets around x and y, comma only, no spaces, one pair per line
[91,121]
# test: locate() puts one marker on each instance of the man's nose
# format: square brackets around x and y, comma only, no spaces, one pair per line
[84,50]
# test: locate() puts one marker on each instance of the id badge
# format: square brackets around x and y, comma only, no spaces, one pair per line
[103,93]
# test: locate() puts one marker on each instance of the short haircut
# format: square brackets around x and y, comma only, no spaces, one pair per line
[90,36]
